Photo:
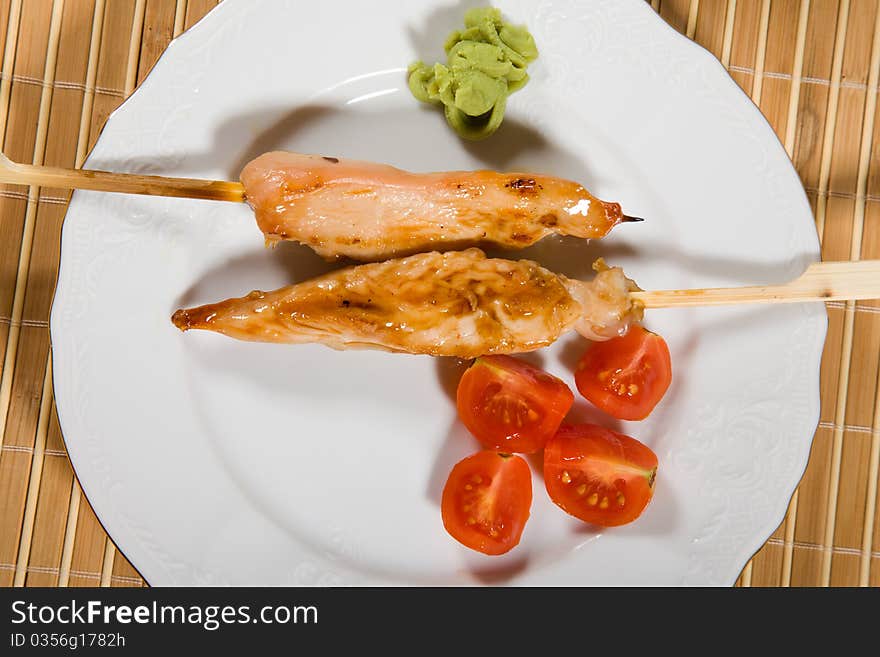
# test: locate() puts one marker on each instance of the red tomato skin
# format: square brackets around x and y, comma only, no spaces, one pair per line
[626,377]
[588,467]
[507,512]
[498,387]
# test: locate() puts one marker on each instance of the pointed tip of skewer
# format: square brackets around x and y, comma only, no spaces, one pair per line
[628,219]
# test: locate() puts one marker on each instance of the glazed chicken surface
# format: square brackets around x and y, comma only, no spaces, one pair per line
[457,303]
[369,211]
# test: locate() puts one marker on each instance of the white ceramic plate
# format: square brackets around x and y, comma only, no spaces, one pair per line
[211,461]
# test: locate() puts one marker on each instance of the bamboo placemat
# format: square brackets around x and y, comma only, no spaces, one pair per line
[812,66]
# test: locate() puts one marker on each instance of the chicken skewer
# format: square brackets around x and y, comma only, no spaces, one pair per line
[458,303]
[466,305]
[368,211]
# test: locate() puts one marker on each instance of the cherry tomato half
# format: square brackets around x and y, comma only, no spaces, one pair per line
[487,501]
[598,475]
[511,406]
[627,376]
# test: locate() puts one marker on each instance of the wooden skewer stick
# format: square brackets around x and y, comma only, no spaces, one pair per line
[127,183]
[822,281]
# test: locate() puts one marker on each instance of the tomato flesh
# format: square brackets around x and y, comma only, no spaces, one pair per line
[487,500]
[627,376]
[598,475]
[511,406]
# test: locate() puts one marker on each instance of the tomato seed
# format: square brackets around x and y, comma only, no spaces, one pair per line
[566,478]
[604,503]
[592,499]
[621,500]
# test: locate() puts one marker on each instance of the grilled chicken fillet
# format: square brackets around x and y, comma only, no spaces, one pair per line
[370,211]
[458,303]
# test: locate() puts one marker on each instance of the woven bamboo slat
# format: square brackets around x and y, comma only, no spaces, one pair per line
[811,66]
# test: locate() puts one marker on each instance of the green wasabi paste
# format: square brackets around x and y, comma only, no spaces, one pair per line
[486,62]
